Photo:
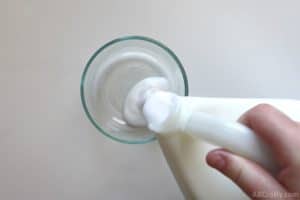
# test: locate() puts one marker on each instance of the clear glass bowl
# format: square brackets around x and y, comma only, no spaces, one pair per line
[113,70]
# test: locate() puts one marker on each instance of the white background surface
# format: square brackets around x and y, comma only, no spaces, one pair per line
[48,148]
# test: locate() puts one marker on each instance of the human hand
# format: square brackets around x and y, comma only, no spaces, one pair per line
[283,137]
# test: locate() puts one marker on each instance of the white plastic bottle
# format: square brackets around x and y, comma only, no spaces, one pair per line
[186,152]
[188,127]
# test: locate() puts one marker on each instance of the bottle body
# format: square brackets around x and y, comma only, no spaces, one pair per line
[185,154]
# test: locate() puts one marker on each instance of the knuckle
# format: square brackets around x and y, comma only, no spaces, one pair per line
[258,111]
[235,169]
[263,108]
[238,174]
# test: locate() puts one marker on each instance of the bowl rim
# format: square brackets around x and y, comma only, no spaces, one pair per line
[106,45]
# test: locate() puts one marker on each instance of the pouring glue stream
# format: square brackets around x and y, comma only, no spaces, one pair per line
[151,104]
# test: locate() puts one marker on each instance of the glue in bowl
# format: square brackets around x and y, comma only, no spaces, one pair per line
[110,74]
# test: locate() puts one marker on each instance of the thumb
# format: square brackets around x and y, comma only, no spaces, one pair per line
[249,176]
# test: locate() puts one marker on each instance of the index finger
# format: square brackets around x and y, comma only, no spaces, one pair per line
[276,129]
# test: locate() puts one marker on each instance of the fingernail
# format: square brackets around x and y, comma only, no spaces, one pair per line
[217,161]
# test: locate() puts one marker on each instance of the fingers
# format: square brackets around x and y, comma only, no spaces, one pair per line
[277,130]
[250,177]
